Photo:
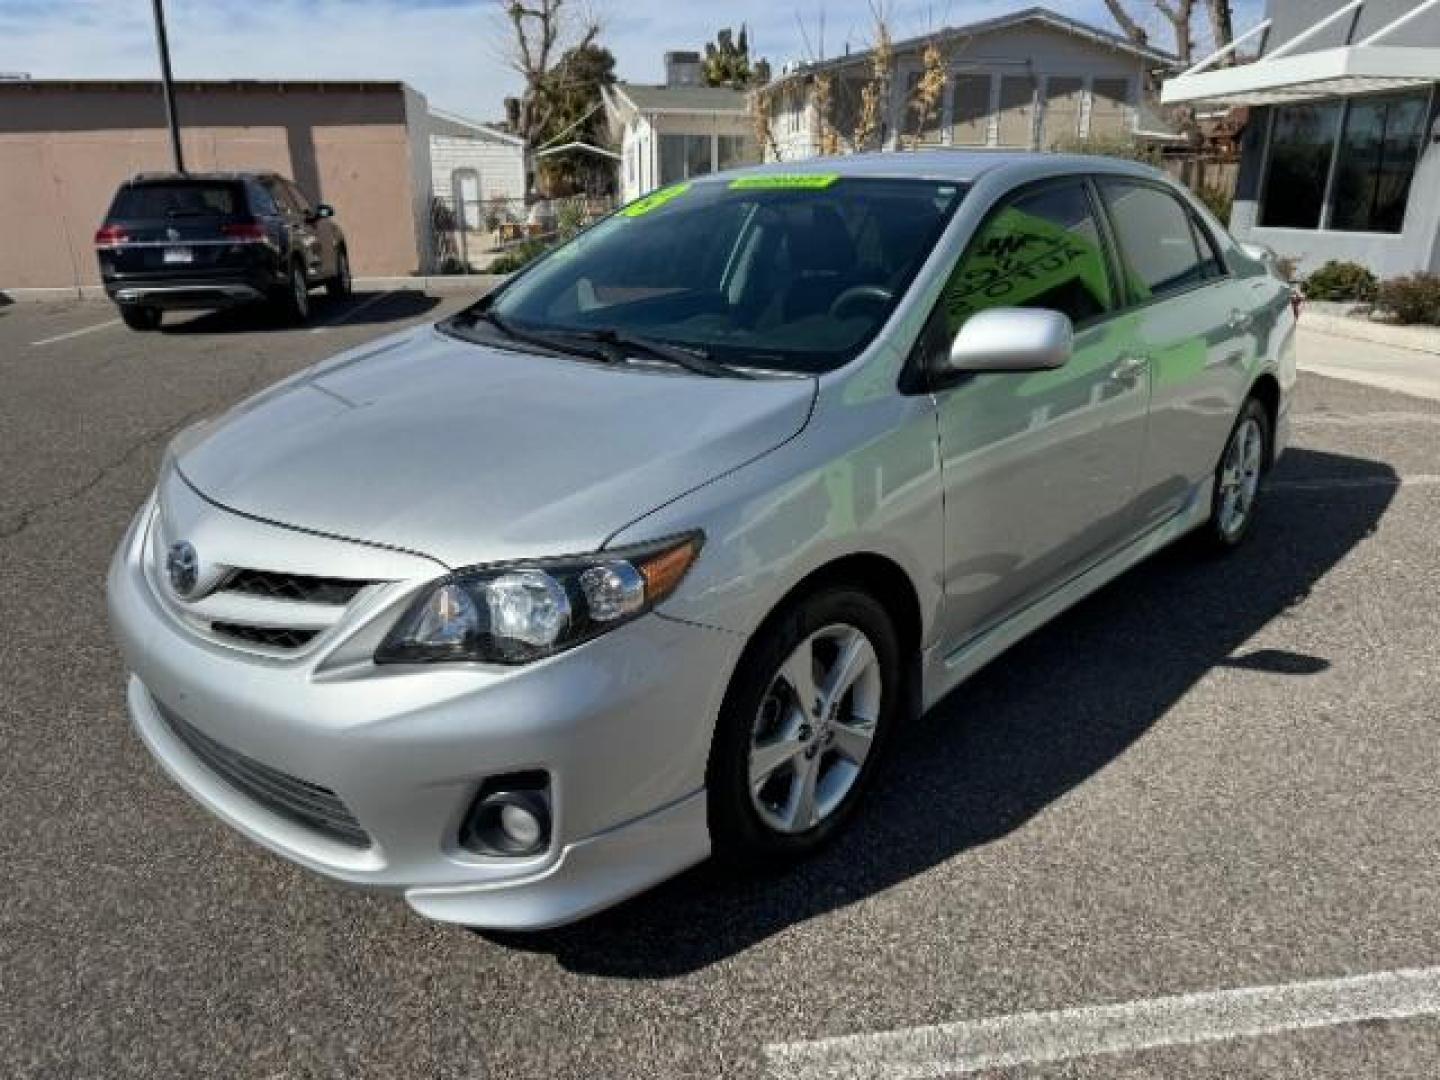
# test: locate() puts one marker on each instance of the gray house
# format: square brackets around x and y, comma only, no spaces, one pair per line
[1340,157]
[1026,80]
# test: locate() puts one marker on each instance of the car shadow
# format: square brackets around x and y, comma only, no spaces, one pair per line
[357,309]
[1042,719]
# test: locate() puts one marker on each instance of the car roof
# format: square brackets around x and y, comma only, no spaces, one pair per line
[201,177]
[966,166]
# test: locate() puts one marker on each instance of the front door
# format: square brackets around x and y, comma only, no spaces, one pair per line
[1040,468]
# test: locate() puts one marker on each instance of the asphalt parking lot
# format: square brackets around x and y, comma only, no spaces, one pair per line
[1210,776]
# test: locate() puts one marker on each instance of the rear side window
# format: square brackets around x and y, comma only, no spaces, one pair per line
[1041,250]
[261,201]
[1157,240]
[171,200]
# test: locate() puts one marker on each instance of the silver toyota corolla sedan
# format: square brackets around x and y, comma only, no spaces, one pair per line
[647,554]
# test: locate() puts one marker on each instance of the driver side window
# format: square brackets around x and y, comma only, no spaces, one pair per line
[1043,250]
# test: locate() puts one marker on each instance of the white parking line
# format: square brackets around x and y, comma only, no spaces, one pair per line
[1038,1037]
[1375,419]
[352,312]
[74,333]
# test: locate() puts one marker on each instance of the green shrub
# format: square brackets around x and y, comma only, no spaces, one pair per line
[1414,298]
[518,256]
[1218,201]
[1117,146]
[1341,281]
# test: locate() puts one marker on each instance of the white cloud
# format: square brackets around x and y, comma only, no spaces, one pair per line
[451,50]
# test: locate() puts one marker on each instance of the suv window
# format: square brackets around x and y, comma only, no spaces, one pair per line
[1040,250]
[1157,239]
[171,199]
[282,196]
[262,203]
[297,197]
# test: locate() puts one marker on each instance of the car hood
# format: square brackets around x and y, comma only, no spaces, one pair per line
[471,454]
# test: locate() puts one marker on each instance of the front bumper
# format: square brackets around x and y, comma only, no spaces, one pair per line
[621,724]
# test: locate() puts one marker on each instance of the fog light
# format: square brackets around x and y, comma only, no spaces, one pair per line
[510,816]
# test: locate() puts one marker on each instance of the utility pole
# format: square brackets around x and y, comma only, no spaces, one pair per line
[168,83]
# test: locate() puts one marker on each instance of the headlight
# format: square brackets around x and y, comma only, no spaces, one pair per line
[518,613]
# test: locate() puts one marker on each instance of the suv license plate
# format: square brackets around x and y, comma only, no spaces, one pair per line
[179,255]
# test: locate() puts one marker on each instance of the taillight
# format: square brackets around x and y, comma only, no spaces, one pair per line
[244,232]
[1296,299]
[110,236]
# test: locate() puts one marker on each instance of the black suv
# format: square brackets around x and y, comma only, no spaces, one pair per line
[209,240]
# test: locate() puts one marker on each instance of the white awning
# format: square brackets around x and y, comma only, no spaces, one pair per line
[1339,72]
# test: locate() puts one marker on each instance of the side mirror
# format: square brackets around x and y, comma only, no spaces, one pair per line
[1010,339]
[324,210]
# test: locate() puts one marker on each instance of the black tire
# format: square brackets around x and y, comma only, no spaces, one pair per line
[141,318]
[739,834]
[1221,533]
[339,286]
[293,301]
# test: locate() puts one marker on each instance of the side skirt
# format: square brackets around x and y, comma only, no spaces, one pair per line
[945,671]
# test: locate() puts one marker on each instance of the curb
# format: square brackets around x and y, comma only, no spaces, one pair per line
[438,283]
[1416,338]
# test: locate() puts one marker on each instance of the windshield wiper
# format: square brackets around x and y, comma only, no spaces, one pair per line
[553,343]
[691,359]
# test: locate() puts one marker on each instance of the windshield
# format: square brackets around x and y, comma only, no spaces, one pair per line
[791,273]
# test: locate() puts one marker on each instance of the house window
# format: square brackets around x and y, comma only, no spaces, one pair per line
[1302,142]
[1109,100]
[1378,150]
[1061,118]
[1017,110]
[734,150]
[698,155]
[970,110]
[684,156]
[672,159]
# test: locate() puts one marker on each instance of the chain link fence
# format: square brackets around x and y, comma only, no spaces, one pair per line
[467,236]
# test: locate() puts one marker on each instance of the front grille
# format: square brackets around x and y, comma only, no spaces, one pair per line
[279,586]
[272,637]
[299,801]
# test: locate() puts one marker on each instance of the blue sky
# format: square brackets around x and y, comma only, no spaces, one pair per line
[451,50]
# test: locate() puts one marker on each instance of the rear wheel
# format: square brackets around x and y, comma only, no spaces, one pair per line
[339,285]
[803,726]
[1237,480]
[294,300]
[141,318]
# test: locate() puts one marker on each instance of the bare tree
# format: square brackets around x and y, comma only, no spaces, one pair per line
[541,32]
[1222,25]
[1179,14]
[1128,24]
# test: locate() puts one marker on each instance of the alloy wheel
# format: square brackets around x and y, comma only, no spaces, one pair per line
[814,729]
[1240,476]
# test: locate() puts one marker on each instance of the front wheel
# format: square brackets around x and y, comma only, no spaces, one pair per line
[1237,480]
[294,299]
[802,728]
[339,286]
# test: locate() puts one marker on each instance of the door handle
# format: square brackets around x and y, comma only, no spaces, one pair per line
[1129,368]
[1238,320]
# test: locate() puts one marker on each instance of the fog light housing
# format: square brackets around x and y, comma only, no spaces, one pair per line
[510,816]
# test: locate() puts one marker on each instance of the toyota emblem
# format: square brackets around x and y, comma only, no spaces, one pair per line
[182,565]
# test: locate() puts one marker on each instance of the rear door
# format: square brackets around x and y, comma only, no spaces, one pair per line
[1189,319]
[1039,468]
[173,228]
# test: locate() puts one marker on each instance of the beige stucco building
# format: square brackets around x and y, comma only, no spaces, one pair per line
[65,145]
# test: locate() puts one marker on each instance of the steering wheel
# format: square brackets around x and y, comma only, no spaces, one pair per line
[858,294]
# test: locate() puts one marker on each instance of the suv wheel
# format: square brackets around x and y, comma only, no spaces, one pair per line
[803,726]
[294,301]
[141,318]
[339,286]
[1237,480]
